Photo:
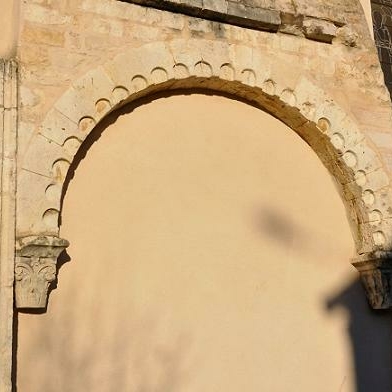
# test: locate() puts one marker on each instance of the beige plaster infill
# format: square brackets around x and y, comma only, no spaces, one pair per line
[208,251]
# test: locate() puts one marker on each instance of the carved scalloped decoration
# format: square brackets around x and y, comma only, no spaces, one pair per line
[301,104]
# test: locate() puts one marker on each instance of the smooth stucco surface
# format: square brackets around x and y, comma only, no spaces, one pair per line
[209,252]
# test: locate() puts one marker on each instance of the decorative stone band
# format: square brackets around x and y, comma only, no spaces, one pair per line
[376,274]
[35,269]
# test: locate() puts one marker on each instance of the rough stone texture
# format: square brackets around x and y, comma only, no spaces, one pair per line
[319,30]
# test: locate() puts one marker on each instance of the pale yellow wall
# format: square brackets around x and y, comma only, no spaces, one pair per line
[210,252]
[9,27]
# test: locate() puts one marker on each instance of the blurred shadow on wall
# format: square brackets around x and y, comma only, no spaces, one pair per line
[136,361]
[369,331]
[370,334]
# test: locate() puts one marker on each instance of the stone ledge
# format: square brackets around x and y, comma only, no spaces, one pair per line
[250,15]
[220,11]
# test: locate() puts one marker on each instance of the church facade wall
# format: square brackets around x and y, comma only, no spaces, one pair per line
[313,66]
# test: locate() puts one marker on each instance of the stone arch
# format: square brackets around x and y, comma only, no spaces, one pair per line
[280,89]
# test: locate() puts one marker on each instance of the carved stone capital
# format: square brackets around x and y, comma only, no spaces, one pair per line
[376,274]
[35,269]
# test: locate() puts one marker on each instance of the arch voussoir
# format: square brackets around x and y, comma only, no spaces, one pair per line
[280,89]
[57,127]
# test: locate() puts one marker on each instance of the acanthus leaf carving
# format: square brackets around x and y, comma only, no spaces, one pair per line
[35,269]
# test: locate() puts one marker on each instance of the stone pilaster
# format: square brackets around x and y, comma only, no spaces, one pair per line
[8,138]
[35,269]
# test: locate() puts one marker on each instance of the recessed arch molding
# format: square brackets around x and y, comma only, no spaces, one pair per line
[280,89]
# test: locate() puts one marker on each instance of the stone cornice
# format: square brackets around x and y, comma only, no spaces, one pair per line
[254,15]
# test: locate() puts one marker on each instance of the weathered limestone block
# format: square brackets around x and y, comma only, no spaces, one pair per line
[258,18]
[291,24]
[347,36]
[35,269]
[215,5]
[319,30]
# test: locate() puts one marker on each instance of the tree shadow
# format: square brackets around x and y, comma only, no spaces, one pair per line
[370,334]
[135,361]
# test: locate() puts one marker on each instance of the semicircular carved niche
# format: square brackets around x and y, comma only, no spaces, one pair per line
[237,70]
